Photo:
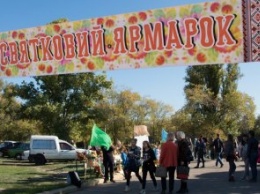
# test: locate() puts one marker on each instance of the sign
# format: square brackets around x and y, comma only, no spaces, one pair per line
[140,130]
[205,33]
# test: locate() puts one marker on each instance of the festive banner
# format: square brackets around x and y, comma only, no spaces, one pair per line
[205,33]
[251,11]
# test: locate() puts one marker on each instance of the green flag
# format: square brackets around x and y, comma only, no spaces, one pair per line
[100,138]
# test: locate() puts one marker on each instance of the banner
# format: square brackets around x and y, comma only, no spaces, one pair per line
[205,33]
[251,11]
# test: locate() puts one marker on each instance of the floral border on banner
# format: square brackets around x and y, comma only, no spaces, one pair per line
[205,33]
[251,13]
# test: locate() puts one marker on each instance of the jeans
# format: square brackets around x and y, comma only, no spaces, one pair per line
[232,167]
[246,162]
[253,166]
[200,157]
[171,171]
[151,172]
[218,158]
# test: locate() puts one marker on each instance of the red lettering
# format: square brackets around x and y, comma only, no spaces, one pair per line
[57,47]
[153,38]
[24,52]
[34,43]
[120,41]
[98,47]
[13,49]
[174,38]
[3,49]
[45,45]
[135,37]
[82,44]
[69,45]
[206,25]
[191,30]
[224,36]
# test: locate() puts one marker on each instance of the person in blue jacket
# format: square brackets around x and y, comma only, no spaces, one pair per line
[124,159]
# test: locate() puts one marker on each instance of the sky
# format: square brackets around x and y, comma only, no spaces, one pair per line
[162,84]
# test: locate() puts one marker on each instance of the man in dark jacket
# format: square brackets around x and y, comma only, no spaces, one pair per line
[218,146]
[108,162]
[252,154]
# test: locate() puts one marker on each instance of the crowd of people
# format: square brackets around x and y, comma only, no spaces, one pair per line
[175,155]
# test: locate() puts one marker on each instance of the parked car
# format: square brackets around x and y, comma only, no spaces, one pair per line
[25,156]
[6,145]
[45,148]
[17,151]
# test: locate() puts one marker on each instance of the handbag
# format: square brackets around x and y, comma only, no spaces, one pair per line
[161,172]
[183,172]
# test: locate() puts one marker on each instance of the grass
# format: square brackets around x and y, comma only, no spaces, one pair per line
[25,178]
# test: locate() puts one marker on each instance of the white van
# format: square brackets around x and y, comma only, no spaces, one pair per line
[45,148]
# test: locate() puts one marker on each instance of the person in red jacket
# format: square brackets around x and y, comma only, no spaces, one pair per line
[168,159]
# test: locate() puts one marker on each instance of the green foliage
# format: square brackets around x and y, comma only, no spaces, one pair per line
[237,113]
[60,101]
[213,102]
[12,127]
[121,110]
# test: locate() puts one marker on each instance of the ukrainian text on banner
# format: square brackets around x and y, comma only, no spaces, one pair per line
[205,33]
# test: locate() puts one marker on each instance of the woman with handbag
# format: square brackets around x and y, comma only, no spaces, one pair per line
[183,161]
[168,160]
[148,165]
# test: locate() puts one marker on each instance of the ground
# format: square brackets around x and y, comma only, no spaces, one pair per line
[209,180]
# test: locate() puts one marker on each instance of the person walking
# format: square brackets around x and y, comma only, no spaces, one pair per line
[133,163]
[183,152]
[168,159]
[201,147]
[252,154]
[243,152]
[148,165]
[108,162]
[218,148]
[231,156]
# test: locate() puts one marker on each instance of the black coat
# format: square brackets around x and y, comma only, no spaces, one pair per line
[148,159]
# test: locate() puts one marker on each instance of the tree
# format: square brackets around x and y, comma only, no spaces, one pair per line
[230,79]
[63,102]
[237,113]
[201,106]
[12,127]
[181,121]
[122,110]
[159,118]
[118,115]
[213,101]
